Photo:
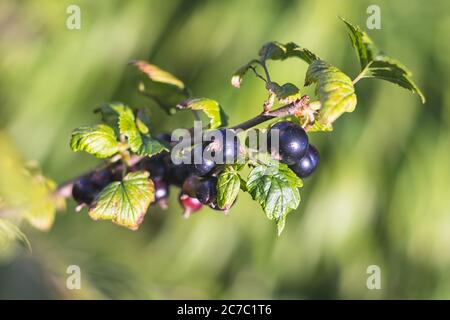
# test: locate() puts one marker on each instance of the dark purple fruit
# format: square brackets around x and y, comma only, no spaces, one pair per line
[101,178]
[292,144]
[307,164]
[84,191]
[225,146]
[178,173]
[156,166]
[201,165]
[190,186]
[206,191]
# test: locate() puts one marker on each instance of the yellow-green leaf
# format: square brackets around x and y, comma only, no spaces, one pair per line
[125,202]
[334,89]
[210,107]
[161,86]
[99,140]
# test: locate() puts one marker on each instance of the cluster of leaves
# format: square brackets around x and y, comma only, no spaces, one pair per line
[125,132]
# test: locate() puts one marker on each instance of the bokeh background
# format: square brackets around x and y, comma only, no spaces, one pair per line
[381,196]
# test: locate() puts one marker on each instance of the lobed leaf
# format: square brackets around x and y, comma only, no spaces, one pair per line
[275,187]
[277,51]
[210,107]
[375,64]
[125,202]
[127,126]
[150,146]
[99,140]
[161,86]
[334,89]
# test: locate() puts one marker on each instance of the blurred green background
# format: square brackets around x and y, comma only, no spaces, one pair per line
[381,196]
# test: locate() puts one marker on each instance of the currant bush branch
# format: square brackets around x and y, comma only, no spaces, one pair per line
[65,189]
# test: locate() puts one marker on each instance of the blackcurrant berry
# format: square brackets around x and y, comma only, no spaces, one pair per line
[225,145]
[206,191]
[190,186]
[101,178]
[307,164]
[292,143]
[156,165]
[84,191]
[178,173]
[189,204]
[201,165]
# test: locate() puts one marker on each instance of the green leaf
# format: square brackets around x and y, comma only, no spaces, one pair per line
[228,186]
[286,93]
[161,86]
[275,187]
[375,64]
[334,89]
[128,127]
[236,79]
[278,51]
[320,127]
[109,116]
[125,202]
[99,140]
[210,107]
[150,146]
[9,233]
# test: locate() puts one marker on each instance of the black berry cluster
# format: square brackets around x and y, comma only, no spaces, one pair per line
[293,148]
[197,180]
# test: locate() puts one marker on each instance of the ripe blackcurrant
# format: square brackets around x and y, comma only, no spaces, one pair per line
[307,164]
[84,191]
[206,191]
[292,143]
[101,178]
[178,173]
[189,204]
[156,165]
[201,165]
[225,145]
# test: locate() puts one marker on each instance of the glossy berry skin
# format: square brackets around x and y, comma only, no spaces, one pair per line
[84,191]
[226,148]
[201,165]
[293,142]
[307,164]
[206,191]
[161,189]
[189,204]
[190,186]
